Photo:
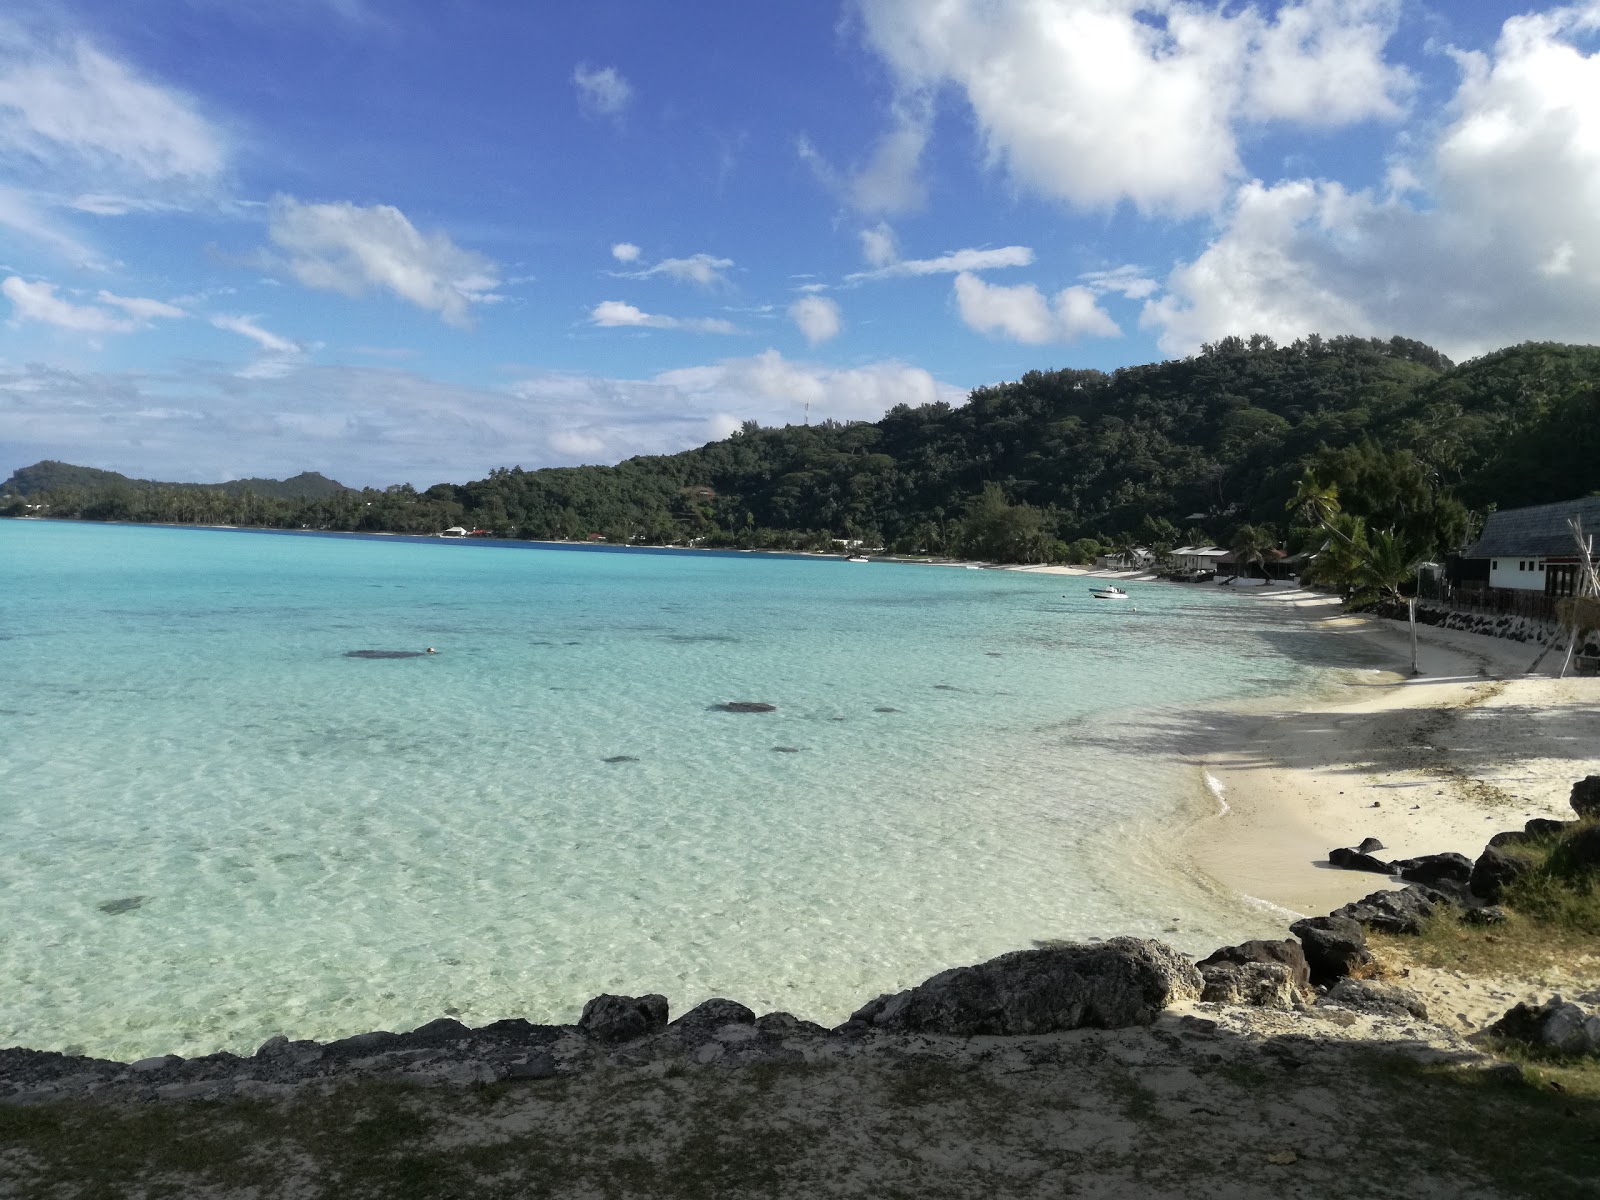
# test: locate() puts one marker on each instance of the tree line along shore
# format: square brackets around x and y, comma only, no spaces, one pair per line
[1058,466]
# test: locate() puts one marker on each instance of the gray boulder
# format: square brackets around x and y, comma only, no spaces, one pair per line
[1555,1025]
[1489,914]
[1355,860]
[1286,953]
[1256,984]
[1334,946]
[1381,999]
[1370,845]
[1107,985]
[1493,872]
[1434,869]
[782,1024]
[1586,796]
[609,1018]
[1400,912]
[1579,852]
[714,1014]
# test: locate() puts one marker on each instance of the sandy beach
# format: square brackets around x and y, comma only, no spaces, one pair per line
[1427,764]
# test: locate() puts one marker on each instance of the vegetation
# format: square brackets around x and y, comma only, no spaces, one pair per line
[1058,465]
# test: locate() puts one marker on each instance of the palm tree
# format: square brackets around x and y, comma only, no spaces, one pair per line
[1250,546]
[1317,502]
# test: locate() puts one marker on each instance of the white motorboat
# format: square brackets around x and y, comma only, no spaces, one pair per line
[1108,591]
[455,531]
[858,558]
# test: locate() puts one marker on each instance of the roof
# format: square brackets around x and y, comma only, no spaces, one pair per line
[1539,532]
[1200,551]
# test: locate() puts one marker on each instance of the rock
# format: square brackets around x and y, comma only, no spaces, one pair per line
[1556,1025]
[1355,860]
[1434,869]
[1257,984]
[364,1043]
[1489,914]
[159,1063]
[1579,852]
[1370,845]
[609,1018]
[1493,871]
[1503,1072]
[620,758]
[536,1066]
[1382,999]
[782,1024]
[1108,985]
[1586,796]
[437,1033]
[1400,912]
[1540,827]
[187,1091]
[384,653]
[746,706]
[1286,953]
[126,904]
[1334,946]
[273,1047]
[714,1014]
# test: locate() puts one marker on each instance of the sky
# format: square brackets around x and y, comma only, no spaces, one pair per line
[414,240]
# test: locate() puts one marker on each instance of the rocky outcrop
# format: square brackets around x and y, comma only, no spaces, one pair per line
[1586,797]
[1335,947]
[1108,985]
[1286,953]
[1494,871]
[1435,869]
[1536,829]
[745,706]
[1555,1025]
[609,1018]
[714,1014]
[1578,853]
[1355,860]
[1380,999]
[1401,912]
[1256,984]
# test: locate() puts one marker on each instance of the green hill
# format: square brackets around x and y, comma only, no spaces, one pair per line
[1192,447]
[52,476]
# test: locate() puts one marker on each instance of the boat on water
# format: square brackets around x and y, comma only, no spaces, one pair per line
[858,558]
[1109,591]
[455,531]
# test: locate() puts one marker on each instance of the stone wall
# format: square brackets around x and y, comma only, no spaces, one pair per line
[1503,625]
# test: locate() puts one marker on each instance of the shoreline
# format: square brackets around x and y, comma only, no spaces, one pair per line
[1426,764]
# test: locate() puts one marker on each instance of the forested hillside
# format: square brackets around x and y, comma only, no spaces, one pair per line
[1160,453]
[51,476]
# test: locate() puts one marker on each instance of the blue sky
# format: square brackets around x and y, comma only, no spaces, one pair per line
[397,241]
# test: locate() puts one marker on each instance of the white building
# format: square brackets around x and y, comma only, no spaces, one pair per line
[1531,549]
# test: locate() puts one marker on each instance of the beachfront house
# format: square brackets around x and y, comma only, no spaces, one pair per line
[1135,560]
[1198,558]
[1528,549]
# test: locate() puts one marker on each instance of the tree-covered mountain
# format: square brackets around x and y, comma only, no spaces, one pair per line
[52,476]
[1195,447]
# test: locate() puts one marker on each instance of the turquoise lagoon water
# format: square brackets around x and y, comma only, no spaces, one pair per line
[218,827]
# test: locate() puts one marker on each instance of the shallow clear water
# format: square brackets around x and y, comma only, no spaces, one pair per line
[218,827]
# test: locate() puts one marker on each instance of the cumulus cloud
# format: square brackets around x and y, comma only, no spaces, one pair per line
[37,301]
[372,425]
[703,269]
[953,263]
[890,180]
[602,90]
[1502,245]
[817,318]
[1099,102]
[1023,314]
[350,248]
[625,252]
[612,314]
[1128,281]
[878,245]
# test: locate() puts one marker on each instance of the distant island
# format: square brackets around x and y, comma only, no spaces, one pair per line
[1056,466]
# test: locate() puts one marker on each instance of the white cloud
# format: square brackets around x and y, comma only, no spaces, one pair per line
[602,89]
[1140,100]
[953,263]
[703,269]
[1023,314]
[878,245]
[1504,244]
[625,252]
[612,314]
[349,248]
[817,318]
[38,302]
[67,99]
[374,425]
[889,181]
[266,339]
[1128,281]
[141,308]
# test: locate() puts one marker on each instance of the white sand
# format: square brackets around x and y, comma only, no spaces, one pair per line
[1427,764]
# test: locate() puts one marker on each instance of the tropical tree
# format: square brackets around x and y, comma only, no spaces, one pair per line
[1250,546]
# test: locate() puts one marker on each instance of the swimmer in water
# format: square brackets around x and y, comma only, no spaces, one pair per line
[431,650]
